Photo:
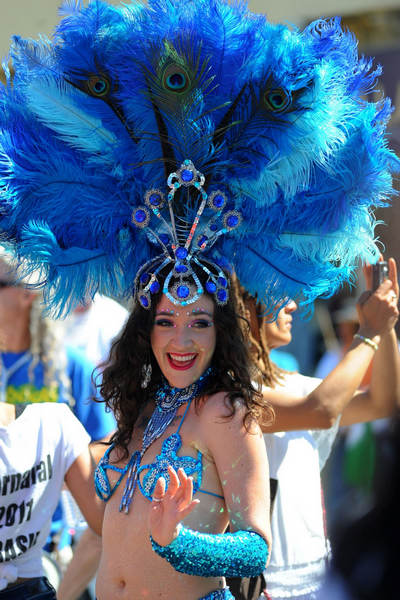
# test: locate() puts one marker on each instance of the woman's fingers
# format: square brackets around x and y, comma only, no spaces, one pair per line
[159,490]
[363,298]
[179,491]
[183,483]
[173,485]
[188,492]
[186,501]
[377,310]
[393,275]
[367,271]
[171,506]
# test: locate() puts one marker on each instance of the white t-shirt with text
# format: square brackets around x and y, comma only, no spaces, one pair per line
[36,451]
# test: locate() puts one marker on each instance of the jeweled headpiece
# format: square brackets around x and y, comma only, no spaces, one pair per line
[184,245]
[275,121]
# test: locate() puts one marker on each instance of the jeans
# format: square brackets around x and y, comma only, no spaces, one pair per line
[37,588]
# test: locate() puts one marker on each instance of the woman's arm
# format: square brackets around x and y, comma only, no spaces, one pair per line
[338,393]
[85,561]
[382,397]
[82,567]
[79,479]
[241,462]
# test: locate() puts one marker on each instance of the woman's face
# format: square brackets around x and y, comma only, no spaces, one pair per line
[183,340]
[279,332]
[15,300]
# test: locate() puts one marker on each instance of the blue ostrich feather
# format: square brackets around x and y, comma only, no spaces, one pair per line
[281,120]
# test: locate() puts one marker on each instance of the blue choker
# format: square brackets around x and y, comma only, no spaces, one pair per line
[168,399]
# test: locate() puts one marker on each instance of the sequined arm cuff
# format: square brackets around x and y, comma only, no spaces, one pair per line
[239,554]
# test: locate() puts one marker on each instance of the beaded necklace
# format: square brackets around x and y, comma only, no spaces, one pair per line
[168,399]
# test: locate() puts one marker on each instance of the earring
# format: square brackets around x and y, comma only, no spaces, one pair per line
[146,374]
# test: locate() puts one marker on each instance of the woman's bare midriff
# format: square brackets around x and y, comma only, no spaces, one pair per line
[129,568]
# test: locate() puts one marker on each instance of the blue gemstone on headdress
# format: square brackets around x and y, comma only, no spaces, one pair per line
[181,253]
[232,220]
[164,238]
[202,240]
[213,227]
[155,199]
[182,291]
[187,175]
[181,268]
[211,287]
[140,216]
[222,282]
[155,287]
[144,278]
[218,200]
[222,295]
[144,301]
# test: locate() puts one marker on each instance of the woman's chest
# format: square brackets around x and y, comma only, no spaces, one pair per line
[132,479]
[148,458]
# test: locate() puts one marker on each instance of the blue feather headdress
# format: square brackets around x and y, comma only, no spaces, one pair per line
[288,155]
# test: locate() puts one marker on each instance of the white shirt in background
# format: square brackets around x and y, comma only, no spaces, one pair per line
[94,330]
[36,451]
[299,549]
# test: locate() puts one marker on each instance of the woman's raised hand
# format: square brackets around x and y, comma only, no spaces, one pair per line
[169,507]
[378,310]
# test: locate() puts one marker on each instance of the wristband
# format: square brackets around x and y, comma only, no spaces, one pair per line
[367,341]
[239,554]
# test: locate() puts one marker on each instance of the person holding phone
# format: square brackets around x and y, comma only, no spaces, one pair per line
[308,412]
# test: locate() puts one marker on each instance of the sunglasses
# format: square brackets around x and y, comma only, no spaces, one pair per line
[5,284]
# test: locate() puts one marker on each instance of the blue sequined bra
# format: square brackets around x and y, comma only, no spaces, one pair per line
[159,468]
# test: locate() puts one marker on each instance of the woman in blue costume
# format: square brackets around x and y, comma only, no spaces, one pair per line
[188,418]
[152,146]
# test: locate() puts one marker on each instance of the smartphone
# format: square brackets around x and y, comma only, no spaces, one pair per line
[380,272]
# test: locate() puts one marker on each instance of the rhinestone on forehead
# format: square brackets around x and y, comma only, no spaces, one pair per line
[184,248]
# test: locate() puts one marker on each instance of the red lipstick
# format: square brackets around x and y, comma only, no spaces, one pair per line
[181,365]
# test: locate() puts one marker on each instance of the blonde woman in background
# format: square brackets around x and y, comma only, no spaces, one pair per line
[34,364]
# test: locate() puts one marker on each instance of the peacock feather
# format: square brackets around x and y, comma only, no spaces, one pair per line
[277,118]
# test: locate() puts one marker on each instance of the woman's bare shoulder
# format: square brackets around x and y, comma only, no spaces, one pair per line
[218,408]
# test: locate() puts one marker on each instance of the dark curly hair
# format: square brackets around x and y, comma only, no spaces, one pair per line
[122,376]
